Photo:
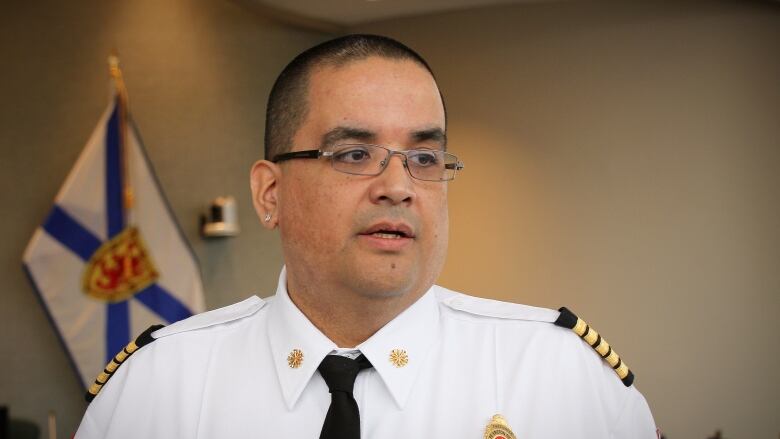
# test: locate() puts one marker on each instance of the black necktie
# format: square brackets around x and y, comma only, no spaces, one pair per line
[343,418]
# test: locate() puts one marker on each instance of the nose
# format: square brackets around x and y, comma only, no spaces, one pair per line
[394,185]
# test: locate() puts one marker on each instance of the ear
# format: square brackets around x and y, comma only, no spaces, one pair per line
[263,179]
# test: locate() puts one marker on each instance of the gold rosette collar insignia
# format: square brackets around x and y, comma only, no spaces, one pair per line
[498,429]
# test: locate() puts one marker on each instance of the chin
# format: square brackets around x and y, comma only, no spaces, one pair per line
[393,282]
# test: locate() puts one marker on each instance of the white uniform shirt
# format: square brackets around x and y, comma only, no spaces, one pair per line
[226,374]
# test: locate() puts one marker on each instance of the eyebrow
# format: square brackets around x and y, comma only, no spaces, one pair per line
[339,134]
[435,134]
[342,133]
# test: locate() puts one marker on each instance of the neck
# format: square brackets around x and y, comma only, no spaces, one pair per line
[347,318]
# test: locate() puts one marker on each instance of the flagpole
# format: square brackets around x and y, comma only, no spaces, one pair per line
[127,190]
[119,83]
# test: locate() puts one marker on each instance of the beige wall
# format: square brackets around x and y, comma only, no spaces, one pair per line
[622,159]
[198,74]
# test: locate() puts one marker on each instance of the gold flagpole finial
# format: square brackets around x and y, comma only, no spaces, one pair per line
[113,66]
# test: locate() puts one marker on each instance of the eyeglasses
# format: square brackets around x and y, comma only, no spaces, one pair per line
[364,159]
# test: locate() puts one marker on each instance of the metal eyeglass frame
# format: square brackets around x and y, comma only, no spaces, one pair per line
[317,153]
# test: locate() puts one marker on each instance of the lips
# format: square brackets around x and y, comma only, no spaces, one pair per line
[387,230]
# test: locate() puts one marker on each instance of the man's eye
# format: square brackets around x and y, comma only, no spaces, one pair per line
[354,155]
[423,158]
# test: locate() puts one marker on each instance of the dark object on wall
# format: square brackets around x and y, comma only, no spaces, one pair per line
[222,219]
[20,429]
[3,422]
[16,428]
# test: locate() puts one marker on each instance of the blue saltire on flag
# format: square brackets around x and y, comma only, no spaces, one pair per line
[106,269]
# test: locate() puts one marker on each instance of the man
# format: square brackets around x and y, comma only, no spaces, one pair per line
[358,341]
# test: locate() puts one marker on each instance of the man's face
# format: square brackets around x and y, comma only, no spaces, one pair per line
[378,236]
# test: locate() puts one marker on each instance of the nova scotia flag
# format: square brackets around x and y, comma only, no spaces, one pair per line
[109,260]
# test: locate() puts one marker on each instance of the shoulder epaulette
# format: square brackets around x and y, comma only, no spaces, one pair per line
[568,319]
[142,340]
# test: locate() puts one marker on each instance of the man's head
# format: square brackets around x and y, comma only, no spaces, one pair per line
[375,236]
[287,103]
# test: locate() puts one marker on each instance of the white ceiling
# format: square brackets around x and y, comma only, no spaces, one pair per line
[352,12]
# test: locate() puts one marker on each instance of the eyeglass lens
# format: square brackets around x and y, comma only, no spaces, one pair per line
[423,164]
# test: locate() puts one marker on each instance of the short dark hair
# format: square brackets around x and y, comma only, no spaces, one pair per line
[287,103]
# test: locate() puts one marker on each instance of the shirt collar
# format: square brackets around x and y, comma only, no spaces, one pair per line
[410,337]
[290,331]
[399,350]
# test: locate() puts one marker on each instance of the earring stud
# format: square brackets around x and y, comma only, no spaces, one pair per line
[267,217]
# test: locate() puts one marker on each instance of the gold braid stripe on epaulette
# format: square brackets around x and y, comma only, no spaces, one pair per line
[568,319]
[142,340]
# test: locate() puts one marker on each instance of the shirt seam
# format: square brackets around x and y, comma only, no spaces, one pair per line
[479,319]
